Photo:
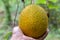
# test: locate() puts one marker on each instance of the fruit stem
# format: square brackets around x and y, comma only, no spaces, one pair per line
[23,3]
[32,2]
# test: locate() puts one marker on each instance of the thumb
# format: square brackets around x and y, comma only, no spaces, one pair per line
[17,33]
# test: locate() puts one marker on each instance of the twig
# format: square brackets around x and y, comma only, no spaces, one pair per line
[16,12]
[23,3]
[32,2]
[47,8]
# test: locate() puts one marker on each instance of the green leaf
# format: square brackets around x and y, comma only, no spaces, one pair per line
[52,5]
[27,2]
[54,1]
[7,36]
[40,1]
[1,32]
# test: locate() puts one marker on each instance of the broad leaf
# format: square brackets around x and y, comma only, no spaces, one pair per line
[40,1]
[7,36]
[52,5]
[54,1]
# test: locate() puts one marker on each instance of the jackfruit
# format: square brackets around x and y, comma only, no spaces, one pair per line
[33,21]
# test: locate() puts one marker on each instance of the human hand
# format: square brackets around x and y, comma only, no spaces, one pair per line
[18,35]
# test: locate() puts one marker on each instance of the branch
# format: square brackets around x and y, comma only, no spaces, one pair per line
[23,3]
[16,12]
[47,8]
[32,2]
[22,0]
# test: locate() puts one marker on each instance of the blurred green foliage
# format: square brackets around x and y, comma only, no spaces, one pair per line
[51,6]
[7,36]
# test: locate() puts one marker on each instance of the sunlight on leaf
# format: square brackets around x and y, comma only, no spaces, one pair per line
[53,1]
[27,2]
[40,1]
[7,36]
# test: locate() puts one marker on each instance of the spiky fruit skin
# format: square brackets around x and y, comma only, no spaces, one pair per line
[33,21]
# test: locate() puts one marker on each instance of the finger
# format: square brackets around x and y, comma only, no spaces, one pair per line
[16,30]
[45,34]
[17,33]
[41,38]
[27,38]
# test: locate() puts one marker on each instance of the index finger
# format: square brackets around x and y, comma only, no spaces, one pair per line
[44,35]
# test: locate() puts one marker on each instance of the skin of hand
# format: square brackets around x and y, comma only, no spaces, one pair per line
[18,35]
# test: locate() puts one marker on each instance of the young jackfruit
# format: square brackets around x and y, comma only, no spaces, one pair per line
[33,21]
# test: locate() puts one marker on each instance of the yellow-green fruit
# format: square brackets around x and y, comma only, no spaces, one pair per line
[33,21]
